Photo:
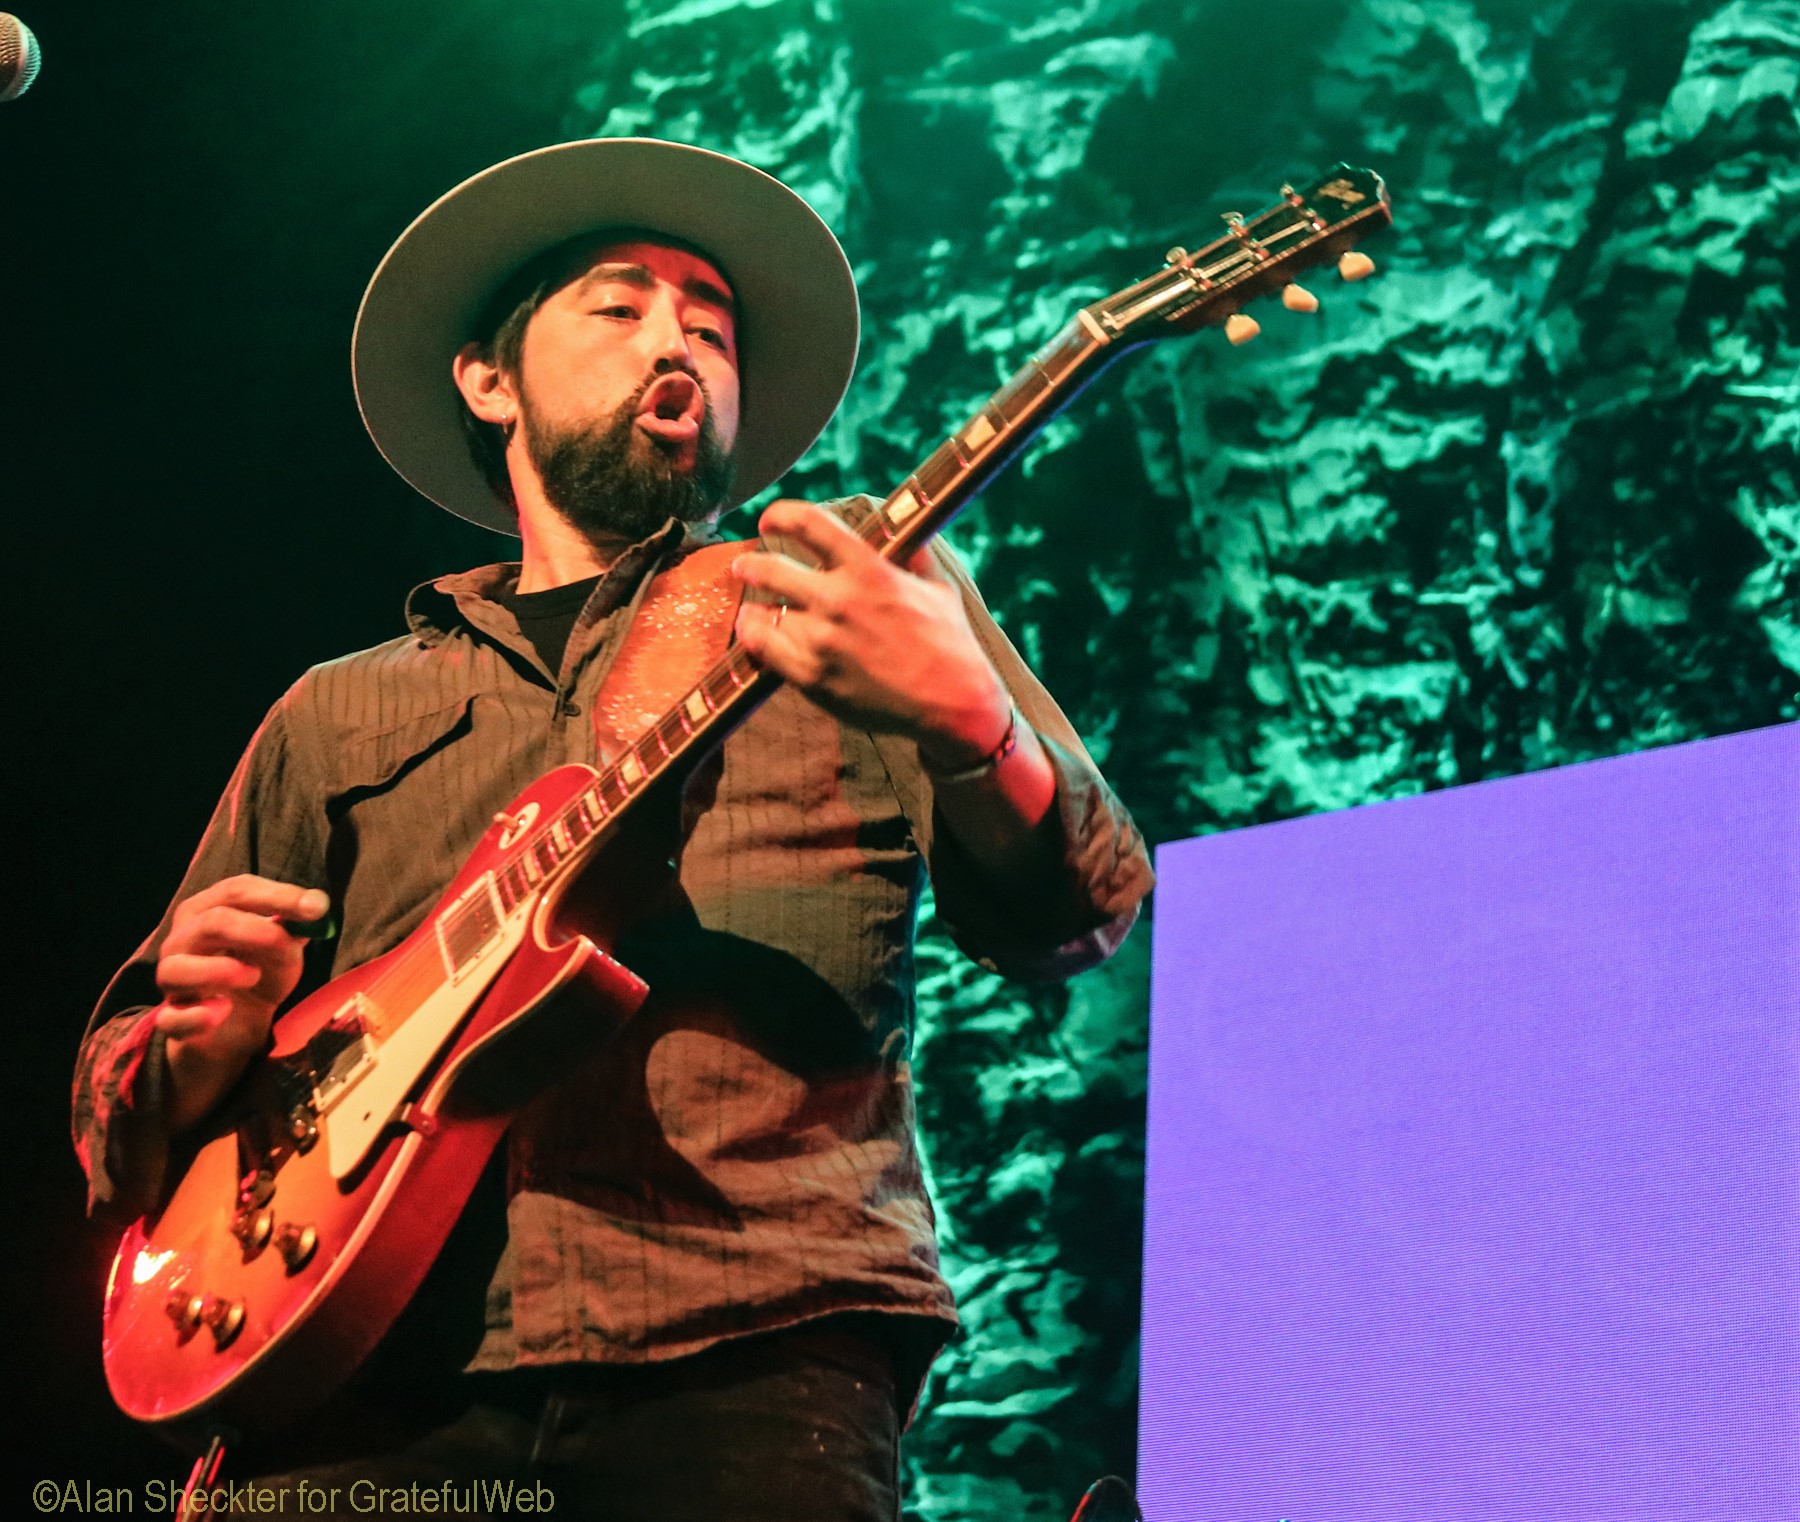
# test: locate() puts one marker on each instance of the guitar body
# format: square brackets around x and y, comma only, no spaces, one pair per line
[221,1307]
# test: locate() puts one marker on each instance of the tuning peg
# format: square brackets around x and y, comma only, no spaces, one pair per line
[1241,329]
[1355,266]
[1296,298]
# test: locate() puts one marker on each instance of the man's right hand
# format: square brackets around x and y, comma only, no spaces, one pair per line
[225,966]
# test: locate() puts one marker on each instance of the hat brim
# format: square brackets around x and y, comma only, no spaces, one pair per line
[797,312]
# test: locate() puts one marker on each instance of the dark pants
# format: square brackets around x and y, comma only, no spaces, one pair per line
[796,1426]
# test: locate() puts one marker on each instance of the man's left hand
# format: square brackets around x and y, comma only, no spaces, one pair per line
[880,645]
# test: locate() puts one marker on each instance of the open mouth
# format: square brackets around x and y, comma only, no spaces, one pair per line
[672,409]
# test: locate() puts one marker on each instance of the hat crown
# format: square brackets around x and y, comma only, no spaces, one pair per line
[793,288]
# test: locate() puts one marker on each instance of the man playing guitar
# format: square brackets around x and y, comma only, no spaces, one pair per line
[719,1286]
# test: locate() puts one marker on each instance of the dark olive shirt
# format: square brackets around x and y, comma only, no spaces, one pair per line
[741,1156]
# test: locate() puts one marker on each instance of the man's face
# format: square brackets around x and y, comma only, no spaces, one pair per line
[628,390]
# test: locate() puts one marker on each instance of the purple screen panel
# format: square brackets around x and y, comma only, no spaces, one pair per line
[1474,1154]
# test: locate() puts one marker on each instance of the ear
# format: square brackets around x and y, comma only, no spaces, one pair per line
[486,388]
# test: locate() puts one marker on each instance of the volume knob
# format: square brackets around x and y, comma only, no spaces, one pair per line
[225,1317]
[185,1311]
[253,1228]
[296,1244]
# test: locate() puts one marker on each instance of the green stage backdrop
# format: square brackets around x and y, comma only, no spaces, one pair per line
[1527,498]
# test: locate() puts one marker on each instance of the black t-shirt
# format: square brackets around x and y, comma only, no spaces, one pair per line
[547,618]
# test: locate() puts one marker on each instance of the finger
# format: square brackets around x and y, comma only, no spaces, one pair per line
[199,1018]
[827,537]
[784,649]
[259,895]
[187,977]
[754,620]
[781,579]
[232,932]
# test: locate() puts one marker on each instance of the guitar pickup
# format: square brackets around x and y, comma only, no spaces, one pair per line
[339,1053]
[475,921]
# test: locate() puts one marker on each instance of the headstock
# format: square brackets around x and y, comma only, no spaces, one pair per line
[1256,256]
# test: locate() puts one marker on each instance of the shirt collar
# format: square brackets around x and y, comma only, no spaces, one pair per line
[437,608]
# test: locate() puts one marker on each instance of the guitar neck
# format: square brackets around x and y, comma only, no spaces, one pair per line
[955,472]
[1192,290]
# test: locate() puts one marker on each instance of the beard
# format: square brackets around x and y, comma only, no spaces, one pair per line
[610,481]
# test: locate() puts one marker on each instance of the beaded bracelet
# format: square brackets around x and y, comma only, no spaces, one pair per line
[991,762]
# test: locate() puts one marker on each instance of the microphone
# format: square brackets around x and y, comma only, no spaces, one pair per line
[19,57]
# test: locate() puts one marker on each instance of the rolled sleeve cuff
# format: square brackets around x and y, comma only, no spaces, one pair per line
[121,1116]
[1072,921]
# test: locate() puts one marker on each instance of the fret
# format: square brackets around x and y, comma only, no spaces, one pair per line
[697,707]
[593,808]
[869,524]
[976,434]
[613,792]
[559,832]
[939,473]
[650,749]
[902,507]
[719,686]
[672,730]
[543,852]
[1016,398]
[1064,352]
[875,530]
[574,822]
[524,863]
[630,771]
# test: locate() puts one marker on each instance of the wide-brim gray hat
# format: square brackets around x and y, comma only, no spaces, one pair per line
[797,315]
